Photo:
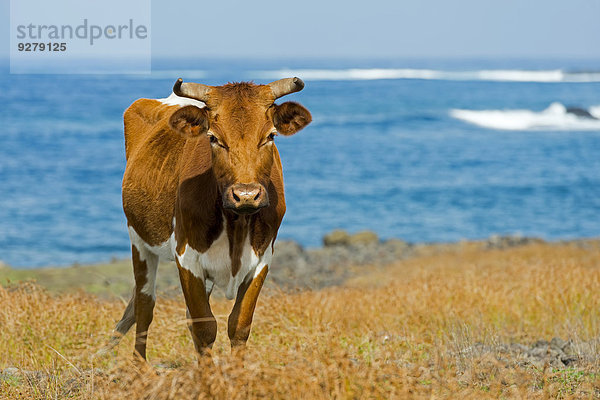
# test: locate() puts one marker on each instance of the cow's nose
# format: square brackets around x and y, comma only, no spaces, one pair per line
[246,198]
[245,193]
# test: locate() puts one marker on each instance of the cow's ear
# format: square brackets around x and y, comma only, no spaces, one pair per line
[290,117]
[189,121]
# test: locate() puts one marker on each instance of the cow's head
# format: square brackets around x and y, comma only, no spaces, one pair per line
[241,121]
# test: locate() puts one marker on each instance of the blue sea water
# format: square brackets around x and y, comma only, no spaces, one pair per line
[424,150]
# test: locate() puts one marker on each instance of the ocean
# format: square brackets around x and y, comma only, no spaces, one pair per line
[423,150]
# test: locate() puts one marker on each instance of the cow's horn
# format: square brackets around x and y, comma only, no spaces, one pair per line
[192,90]
[286,86]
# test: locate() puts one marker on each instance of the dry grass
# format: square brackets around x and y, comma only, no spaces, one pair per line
[406,331]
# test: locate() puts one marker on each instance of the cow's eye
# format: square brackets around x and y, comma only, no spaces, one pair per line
[213,140]
[268,139]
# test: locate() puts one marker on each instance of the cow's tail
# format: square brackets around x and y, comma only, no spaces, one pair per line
[123,326]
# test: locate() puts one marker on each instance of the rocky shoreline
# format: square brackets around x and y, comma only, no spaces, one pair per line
[295,266]
[342,256]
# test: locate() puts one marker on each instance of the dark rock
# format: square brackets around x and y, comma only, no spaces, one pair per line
[9,372]
[398,244]
[287,252]
[568,348]
[337,237]
[557,344]
[296,267]
[538,354]
[580,112]
[518,348]
[568,360]
[505,242]
[396,249]
[363,238]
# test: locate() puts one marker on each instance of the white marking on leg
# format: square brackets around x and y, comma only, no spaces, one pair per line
[149,255]
[259,269]
[149,287]
[164,251]
[264,261]
[209,286]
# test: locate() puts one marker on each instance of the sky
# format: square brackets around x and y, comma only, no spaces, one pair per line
[374,28]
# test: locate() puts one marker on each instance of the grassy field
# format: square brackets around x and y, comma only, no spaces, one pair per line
[105,280]
[432,326]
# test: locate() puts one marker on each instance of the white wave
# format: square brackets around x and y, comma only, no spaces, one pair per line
[186,74]
[555,118]
[351,74]
[499,75]
[521,75]
[595,111]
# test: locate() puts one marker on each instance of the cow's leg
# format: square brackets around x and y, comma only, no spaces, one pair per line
[240,318]
[201,321]
[145,265]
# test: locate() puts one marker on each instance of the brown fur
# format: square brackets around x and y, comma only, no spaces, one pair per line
[175,170]
[240,319]
[144,304]
[201,321]
[189,121]
[290,117]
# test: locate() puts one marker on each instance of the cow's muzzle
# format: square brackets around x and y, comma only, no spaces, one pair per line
[245,198]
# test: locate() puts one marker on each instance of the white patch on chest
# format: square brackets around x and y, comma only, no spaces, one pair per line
[174,100]
[213,266]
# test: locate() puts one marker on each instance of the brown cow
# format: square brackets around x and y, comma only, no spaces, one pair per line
[203,187]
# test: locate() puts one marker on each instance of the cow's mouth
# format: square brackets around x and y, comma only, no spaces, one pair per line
[245,209]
